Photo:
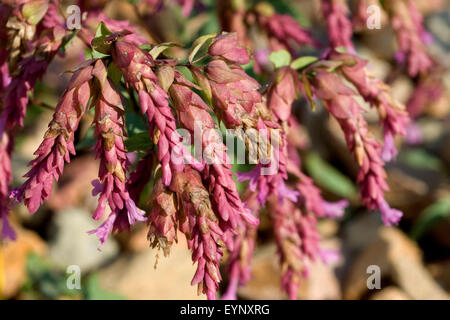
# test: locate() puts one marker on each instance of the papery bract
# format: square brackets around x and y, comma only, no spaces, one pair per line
[58,142]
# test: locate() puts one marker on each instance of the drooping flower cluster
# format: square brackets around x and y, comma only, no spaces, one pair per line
[340,103]
[58,142]
[5,181]
[198,196]
[280,96]
[297,242]
[310,197]
[234,93]
[203,230]
[110,148]
[411,36]
[239,261]
[162,217]
[283,31]
[263,29]
[33,33]
[30,63]
[194,116]
[393,116]
[6,142]
[136,66]
[339,26]
[276,118]
[87,32]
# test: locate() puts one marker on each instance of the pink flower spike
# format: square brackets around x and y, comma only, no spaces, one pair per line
[58,143]
[339,26]
[186,6]
[203,229]
[136,66]
[227,46]
[231,292]
[110,148]
[411,37]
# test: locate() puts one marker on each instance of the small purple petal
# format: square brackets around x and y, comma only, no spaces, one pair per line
[262,56]
[389,151]
[250,218]
[134,213]
[98,187]
[131,157]
[413,134]
[329,256]
[388,215]
[252,176]
[105,229]
[285,192]
[334,210]
[400,57]
[7,231]
[16,194]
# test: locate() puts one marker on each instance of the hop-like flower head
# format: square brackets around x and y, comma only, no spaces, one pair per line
[58,142]
[111,185]
[338,99]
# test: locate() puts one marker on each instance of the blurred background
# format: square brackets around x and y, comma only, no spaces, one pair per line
[414,257]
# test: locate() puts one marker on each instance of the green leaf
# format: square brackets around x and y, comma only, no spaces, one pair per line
[67,41]
[329,177]
[166,75]
[98,55]
[34,11]
[280,58]
[308,92]
[292,8]
[341,49]
[139,142]
[421,159]
[100,48]
[45,279]
[135,123]
[198,44]
[93,290]
[146,47]
[303,62]
[114,73]
[88,140]
[88,54]
[102,31]
[160,48]
[430,217]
